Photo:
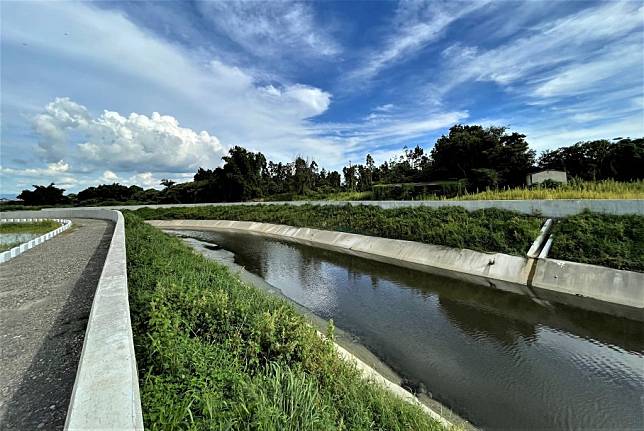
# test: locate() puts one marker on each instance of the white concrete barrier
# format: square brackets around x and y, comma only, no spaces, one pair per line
[106,389]
[21,248]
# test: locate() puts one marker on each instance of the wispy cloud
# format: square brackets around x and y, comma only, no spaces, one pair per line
[415,25]
[272,29]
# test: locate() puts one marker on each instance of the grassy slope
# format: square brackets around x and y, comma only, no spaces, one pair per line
[31,227]
[214,353]
[489,230]
[609,240]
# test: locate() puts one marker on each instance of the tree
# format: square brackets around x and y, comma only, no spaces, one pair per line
[622,159]
[466,148]
[167,183]
[44,195]
[349,177]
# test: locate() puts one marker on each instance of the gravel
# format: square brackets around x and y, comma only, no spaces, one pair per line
[46,295]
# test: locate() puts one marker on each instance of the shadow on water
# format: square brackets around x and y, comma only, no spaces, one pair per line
[498,359]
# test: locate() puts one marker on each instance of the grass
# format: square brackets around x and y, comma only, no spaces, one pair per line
[608,189]
[608,240]
[29,227]
[488,230]
[215,353]
[8,246]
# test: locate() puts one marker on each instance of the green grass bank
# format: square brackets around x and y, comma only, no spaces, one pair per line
[29,227]
[489,230]
[215,353]
[598,239]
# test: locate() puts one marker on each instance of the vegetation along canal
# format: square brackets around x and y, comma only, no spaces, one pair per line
[497,359]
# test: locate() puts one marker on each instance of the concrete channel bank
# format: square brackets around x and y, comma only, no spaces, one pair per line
[554,208]
[592,287]
[106,389]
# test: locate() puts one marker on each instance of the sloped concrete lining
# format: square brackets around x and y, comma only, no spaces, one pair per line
[19,249]
[497,270]
[591,287]
[555,208]
[106,389]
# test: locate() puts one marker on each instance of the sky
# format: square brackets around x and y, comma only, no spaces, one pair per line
[134,92]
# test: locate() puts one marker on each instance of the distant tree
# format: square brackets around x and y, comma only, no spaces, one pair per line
[466,148]
[167,183]
[350,180]
[44,195]
[334,179]
[622,159]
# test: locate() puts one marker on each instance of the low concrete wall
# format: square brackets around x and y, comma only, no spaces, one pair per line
[591,287]
[555,208]
[15,251]
[106,389]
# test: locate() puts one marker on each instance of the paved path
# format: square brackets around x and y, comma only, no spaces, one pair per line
[45,298]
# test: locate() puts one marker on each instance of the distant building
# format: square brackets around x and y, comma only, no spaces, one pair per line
[541,176]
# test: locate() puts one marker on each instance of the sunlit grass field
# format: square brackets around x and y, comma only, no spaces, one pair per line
[608,189]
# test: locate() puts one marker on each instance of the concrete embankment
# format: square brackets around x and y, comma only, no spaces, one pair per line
[554,208]
[586,286]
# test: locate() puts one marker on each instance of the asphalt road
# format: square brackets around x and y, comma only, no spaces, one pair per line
[46,295]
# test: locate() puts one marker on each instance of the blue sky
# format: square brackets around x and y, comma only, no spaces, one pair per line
[135,91]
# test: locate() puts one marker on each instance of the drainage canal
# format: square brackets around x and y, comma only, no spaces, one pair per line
[497,359]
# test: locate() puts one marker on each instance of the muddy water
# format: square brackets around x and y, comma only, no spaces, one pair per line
[497,359]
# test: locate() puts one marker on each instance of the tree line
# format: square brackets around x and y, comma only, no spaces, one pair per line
[473,156]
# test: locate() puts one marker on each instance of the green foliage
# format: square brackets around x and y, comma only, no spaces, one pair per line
[469,148]
[490,230]
[44,195]
[215,353]
[620,159]
[29,227]
[599,239]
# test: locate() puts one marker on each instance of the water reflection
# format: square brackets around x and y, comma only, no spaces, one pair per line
[499,359]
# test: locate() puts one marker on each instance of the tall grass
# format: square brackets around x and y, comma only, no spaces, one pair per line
[490,230]
[215,353]
[608,189]
[600,239]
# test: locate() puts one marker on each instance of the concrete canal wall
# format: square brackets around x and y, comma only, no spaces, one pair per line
[555,208]
[587,286]
[106,389]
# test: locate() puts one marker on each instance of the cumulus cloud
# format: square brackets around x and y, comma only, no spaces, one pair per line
[137,141]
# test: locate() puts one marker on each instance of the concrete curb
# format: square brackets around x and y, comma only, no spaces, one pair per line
[591,287]
[19,249]
[555,208]
[106,389]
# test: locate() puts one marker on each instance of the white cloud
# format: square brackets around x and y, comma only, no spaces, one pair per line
[554,57]
[109,177]
[415,26]
[101,60]
[157,142]
[271,29]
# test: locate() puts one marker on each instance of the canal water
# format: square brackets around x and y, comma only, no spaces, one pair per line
[497,359]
